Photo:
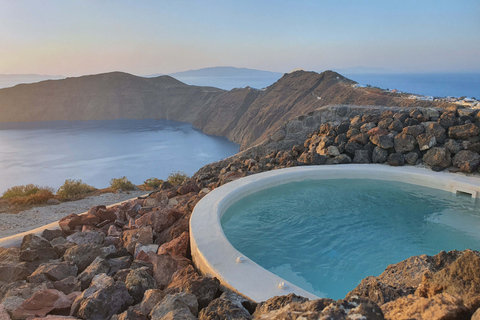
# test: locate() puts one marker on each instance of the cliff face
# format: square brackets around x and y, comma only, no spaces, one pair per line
[246,116]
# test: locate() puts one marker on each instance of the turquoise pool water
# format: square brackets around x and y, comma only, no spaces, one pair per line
[326,236]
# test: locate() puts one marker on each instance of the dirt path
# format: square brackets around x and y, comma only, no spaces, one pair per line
[11,224]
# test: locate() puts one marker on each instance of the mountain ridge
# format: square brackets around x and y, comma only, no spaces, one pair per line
[245,115]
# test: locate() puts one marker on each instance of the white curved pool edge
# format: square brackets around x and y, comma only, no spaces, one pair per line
[213,254]
[16,239]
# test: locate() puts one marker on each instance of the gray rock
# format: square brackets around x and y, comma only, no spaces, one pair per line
[396,125]
[435,129]
[404,143]
[453,146]
[53,271]
[89,237]
[379,155]
[414,131]
[138,281]
[98,266]
[426,141]
[437,157]
[466,161]
[361,156]
[182,300]
[396,159]
[104,303]
[36,248]
[447,119]
[382,141]
[82,255]
[49,235]
[411,158]
[341,159]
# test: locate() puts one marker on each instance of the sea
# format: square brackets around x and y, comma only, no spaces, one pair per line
[48,153]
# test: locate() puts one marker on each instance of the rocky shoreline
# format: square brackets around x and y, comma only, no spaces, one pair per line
[133,261]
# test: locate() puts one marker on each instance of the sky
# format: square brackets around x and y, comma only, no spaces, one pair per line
[78,37]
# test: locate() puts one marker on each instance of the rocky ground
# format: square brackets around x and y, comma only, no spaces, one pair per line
[133,261]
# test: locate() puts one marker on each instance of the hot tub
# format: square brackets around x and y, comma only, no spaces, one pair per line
[214,255]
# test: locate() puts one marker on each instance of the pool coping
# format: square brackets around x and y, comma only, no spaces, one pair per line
[214,255]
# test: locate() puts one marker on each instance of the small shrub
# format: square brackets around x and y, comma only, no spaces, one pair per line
[152,183]
[39,197]
[177,177]
[28,194]
[74,189]
[21,191]
[122,184]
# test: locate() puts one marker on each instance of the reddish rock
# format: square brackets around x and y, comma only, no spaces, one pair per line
[440,307]
[89,219]
[69,223]
[3,313]
[158,220]
[44,302]
[114,231]
[164,266]
[174,302]
[151,298]
[373,289]
[378,132]
[435,129]
[106,214]
[426,141]
[177,247]
[188,280]
[188,187]
[130,238]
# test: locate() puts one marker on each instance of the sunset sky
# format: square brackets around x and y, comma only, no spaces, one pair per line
[76,37]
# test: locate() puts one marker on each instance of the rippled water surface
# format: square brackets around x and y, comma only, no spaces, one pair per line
[48,153]
[326,236]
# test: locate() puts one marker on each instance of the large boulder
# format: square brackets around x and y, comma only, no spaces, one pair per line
[182,300]
[229,306]
[90,237]
[106,302]
[44,302]
[435,129]
[440,307]
[98,266]
[379,155]
[35,248]
[426,141]
[177,247]
[138,281]
[82,255]
[11,268]
[460,278]
[466,161]
[69,223]
[382,141]
[53,271]
[351,308]
[130,238]
[188,280]
[404,143]
[437,157]
[464,131]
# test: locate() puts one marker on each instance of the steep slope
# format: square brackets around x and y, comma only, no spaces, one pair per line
[113,95]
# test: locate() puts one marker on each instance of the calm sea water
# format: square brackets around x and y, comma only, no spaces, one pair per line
[326,236]
[48,153]
[432,84]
